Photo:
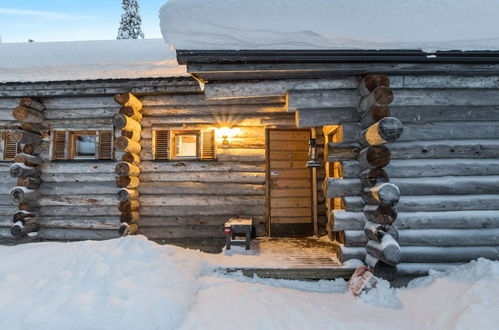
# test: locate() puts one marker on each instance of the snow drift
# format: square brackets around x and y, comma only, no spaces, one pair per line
[82,60]
[132,283]
[331,24]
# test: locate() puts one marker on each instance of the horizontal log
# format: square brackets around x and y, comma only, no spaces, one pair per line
[201,201]
[31,206]
[423,254]
[473,219]
[236,89]
[375,231]
[77,188]
[381,96]
[131,112]
[25,137]
[131,158]
[430,168]
[30,183]
[182,232]
[445,149]
[450,131]
[387,130]
[31,103]
[23,216]
[32,127]
[27,115]
[128,229]
[386,194]
[199,99]
[338,152]
[75,177]
[56,234]
[374,157]
[372,177]
[87,210]
[125,144]
[384,215]
[221,177]
[429,114]
[20,228]
[23,195]
[129,206]
[451,185]
[127,194]
[129,182]
[126,123]
[77,200]
[18,170]
[325,116]
[380,268]
[32,149]
[386,250]
[129,217]
[192,188]
[370,82]
[132,135]
[180,166]
[210,220]
[311,99]
[127,169]
[128,100]
[79,222]
[28,160]
[240,210]
[79,167]
[241,155]
[423,269]
[218,110]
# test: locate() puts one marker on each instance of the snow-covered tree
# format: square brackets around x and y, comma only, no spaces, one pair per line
[130,21]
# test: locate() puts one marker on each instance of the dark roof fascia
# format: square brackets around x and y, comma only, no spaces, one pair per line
[190,57]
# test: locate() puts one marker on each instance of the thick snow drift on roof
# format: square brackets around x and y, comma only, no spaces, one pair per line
[331,24]
[82,60]
[132,283]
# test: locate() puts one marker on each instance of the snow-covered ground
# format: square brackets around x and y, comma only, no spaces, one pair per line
[82,60]
[332,24]
[132,283]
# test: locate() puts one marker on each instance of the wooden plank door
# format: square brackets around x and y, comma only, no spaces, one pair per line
[289,185]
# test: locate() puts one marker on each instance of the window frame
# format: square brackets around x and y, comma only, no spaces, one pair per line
[70,144]
[4,136]
[170,152]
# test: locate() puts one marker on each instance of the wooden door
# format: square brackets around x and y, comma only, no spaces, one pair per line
[289,185]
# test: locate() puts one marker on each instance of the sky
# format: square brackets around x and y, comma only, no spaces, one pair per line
[65,20]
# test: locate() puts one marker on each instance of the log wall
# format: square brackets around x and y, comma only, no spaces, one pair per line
[445,165]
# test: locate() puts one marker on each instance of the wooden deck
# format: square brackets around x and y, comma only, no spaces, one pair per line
[286,258]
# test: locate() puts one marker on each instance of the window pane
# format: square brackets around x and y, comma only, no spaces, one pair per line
[185,146]
[85,145]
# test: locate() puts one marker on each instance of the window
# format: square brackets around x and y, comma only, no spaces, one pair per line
[184,144]
[82,145]
[9,147]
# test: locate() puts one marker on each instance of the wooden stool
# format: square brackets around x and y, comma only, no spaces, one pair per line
[239,227]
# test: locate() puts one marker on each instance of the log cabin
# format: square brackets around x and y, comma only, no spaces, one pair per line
[392,155]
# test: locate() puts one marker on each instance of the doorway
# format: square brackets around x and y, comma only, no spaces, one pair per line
[289,183]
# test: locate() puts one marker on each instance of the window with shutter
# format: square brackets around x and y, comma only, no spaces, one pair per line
[106,145]
[162,145]
[59,146]
[208,144]
[10,148]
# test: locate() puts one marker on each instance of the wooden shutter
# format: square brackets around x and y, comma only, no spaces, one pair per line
[208,144]
[10,148]
[162,145]
[59,145]
[106,145]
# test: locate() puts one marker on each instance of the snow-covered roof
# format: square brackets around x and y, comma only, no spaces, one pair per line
[87,60]
[331,24]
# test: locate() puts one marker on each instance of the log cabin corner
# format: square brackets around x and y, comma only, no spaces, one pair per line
[392,155]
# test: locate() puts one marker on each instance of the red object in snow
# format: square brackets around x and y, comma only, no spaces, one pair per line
[362,280]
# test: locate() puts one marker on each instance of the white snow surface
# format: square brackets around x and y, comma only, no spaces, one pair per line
[132,283]
[85,60]
[331,24]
